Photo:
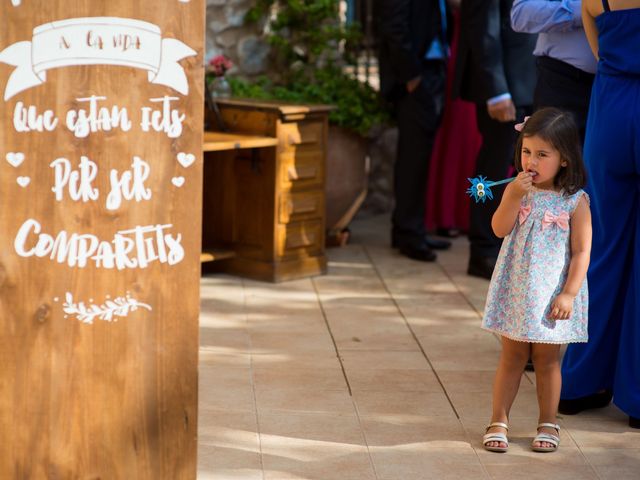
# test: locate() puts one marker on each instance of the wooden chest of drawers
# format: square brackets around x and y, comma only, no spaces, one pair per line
[268,205]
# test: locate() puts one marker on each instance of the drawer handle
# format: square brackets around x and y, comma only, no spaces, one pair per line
[300,240]
[303,172]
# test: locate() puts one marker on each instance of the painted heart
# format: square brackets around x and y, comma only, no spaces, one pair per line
[23,181]
[178,181]
[186,159]
[15,159]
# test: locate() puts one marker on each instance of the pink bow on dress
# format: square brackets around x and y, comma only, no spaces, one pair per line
[561,220]
[524,212]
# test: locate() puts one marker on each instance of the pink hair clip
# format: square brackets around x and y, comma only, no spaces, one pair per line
[520,126]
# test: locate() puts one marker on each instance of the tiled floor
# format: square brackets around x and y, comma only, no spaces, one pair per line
[378,370]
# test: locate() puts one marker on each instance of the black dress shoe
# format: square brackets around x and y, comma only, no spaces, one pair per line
[437,243]
[433,243]
[422,253]
[634,422]
[448,232]
[481,266]
[577,405]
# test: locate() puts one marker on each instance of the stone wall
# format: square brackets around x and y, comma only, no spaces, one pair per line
[227,34]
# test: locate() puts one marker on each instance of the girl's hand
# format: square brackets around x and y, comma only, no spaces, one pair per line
[520,186]
[561,307]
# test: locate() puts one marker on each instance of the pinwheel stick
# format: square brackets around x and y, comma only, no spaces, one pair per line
[480,188]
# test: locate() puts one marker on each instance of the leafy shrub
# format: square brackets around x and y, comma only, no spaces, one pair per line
[310,48]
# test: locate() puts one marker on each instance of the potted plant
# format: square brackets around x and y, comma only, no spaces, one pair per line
[217,82]
[310,50]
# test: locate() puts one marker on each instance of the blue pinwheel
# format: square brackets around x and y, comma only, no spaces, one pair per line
[480,188]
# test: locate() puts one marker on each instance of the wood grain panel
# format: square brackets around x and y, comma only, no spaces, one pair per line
[88,394]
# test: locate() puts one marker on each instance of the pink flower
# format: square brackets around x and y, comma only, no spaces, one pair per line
[219,65]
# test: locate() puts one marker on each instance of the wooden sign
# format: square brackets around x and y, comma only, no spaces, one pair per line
[100,212]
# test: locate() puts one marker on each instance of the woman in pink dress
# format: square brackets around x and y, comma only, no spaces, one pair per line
[453,158]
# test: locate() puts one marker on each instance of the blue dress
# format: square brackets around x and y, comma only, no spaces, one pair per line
[611,359]
[531,271]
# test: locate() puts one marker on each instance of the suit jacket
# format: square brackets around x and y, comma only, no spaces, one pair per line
[492,58]
[406,29]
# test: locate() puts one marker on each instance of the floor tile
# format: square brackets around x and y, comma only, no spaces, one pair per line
[468,381]
[312,378]
[478,404]
[614,463]
[374,359]
[227,388]
[231,430]
[602,432]
[216,463]
[399,380]
[291,359]
[452,463]
[322,447]
[401,431]
[273,342]
[395,404]
[296,399]
[541,471]
[371,333]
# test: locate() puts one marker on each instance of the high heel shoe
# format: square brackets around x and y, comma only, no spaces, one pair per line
[577,405]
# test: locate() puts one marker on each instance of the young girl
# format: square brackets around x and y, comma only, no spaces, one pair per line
[537,299]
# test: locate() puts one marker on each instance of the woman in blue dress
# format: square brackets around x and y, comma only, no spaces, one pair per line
[609,365]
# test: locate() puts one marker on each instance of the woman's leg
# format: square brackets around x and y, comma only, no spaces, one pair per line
[513,358]
[546,360]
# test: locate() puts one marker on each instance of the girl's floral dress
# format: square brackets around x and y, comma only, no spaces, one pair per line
[531,271]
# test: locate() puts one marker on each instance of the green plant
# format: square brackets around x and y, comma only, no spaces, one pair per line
[304,34]
[358,106]
[310,51]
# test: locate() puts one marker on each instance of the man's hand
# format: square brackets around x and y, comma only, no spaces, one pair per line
[413,83]
[502,111]
[562,307]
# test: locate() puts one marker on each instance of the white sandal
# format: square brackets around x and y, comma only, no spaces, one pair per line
[547,438]
[496,437]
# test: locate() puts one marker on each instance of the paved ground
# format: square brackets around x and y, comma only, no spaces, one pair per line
[378,370]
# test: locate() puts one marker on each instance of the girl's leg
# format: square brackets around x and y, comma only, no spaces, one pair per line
[513,358]
[546,360]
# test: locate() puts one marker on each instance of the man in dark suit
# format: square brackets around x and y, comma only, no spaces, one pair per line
[496,70]
[412,58]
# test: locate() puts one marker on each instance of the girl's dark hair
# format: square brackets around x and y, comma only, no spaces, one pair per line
[558,128]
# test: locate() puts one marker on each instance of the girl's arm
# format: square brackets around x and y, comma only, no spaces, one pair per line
[505,217]
[580,251]
[589,23]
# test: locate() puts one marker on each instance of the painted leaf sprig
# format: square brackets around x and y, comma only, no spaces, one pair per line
[108,311]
